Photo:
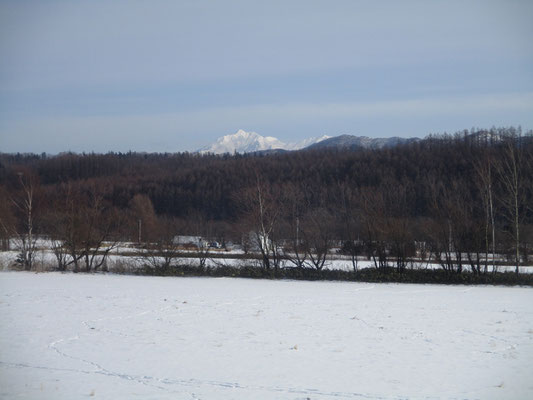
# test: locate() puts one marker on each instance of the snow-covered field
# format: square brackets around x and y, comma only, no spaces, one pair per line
[120,263]
[71,336]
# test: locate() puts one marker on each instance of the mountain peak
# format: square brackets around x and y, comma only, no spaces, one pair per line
[247,142]
[242,133]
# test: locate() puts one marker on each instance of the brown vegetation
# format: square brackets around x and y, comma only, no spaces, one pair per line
[458,199]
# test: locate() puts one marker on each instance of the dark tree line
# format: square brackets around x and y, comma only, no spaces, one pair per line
[455,198]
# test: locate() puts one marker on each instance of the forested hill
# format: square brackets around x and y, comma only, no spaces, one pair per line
[181,182]
[414,180]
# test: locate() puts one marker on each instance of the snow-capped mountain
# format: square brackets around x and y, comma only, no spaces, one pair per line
[248,142]
[302,144]
[360,142]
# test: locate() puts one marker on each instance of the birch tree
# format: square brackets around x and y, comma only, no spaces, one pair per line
[262,204]
[513,198]
[25,205]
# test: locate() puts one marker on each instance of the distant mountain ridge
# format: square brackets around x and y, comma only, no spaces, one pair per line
[250,142]
[361,142]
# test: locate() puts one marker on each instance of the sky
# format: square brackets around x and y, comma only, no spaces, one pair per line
[165,75]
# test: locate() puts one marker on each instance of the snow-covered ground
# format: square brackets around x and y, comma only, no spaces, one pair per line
[71,336]
[45,260]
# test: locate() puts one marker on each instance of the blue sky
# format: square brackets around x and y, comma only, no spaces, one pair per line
[175,75]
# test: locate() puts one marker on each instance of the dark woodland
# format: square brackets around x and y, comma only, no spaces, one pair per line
[452,199]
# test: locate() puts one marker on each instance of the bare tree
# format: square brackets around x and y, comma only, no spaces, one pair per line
[263,209]
[294,209]
[84,230]
[439,229]
[101,223]
[317,232]
[510,172]
[7,220]
[201,227]
[67,234]
[203,252]
[54,224]
[372,204]
[350,214]
[143,217]
[456,236]
[161,254]
[484,171]
[401,243]
[388,227]
[25,205]
[398,226]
